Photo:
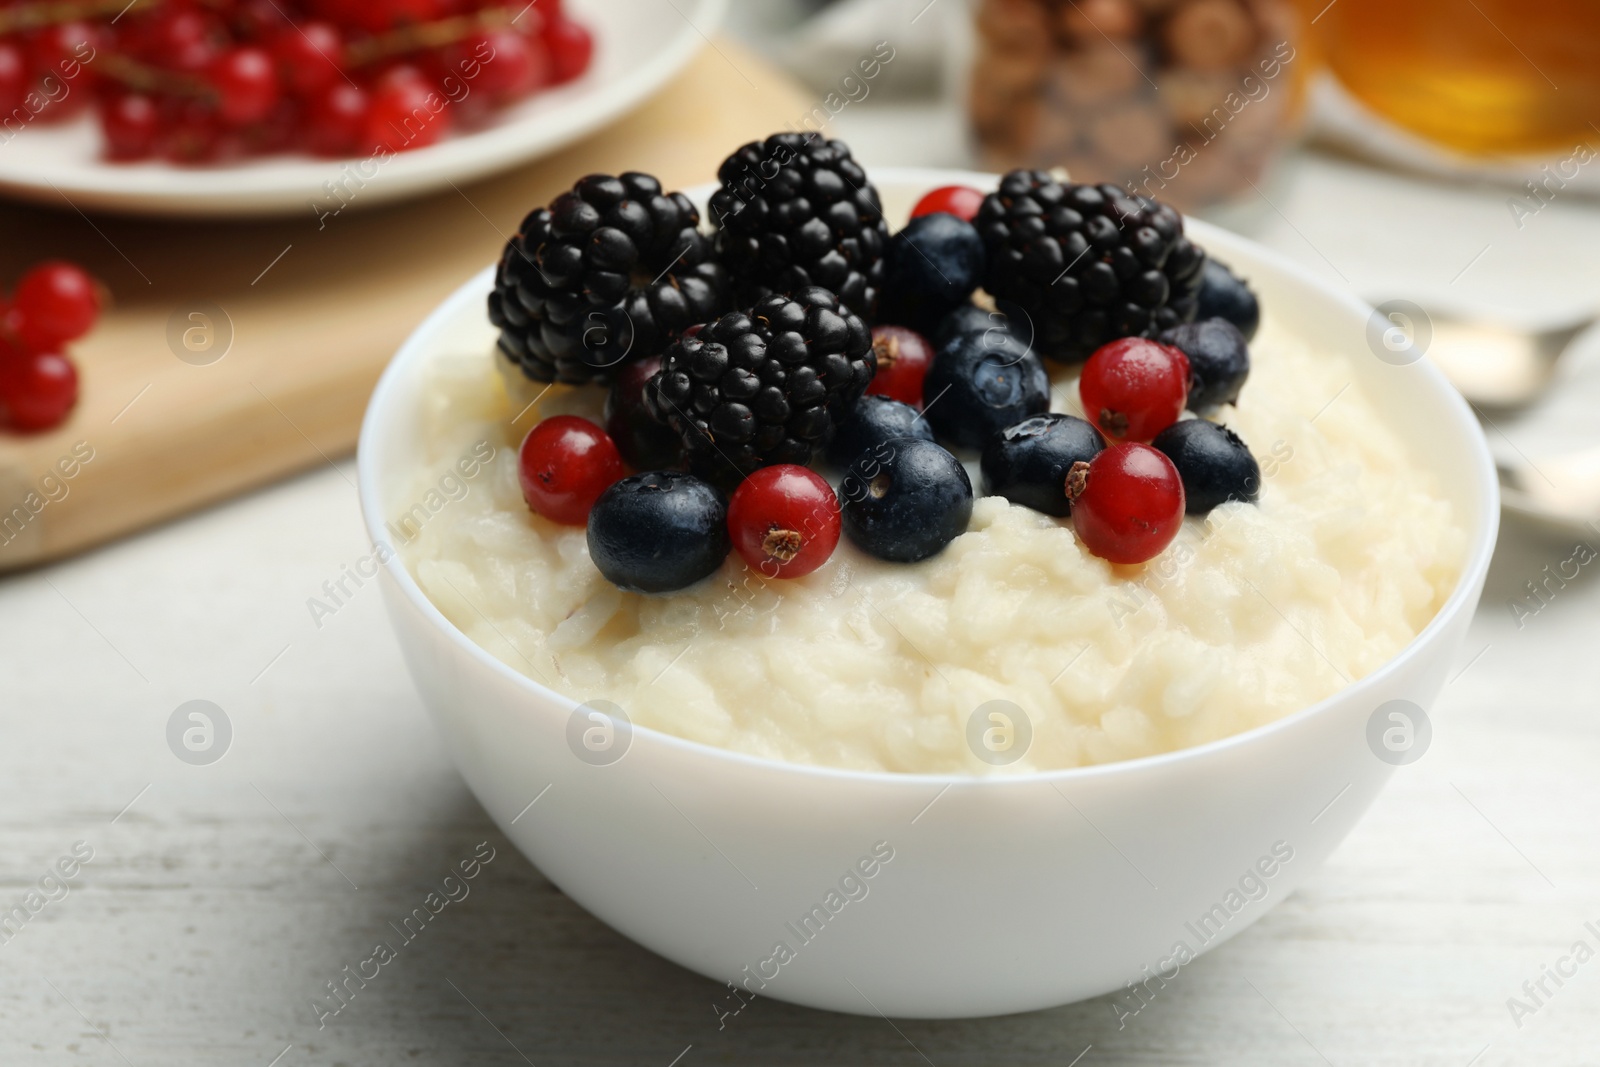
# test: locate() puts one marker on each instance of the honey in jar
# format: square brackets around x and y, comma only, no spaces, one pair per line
[1487,77]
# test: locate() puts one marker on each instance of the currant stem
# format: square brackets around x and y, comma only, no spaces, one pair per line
[148,79]
[426,35]
[32,16]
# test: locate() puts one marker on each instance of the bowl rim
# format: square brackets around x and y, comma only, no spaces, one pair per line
[1483,530]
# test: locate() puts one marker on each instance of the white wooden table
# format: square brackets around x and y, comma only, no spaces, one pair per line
[221,899]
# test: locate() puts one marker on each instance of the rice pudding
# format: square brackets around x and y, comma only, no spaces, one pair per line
[1253,612]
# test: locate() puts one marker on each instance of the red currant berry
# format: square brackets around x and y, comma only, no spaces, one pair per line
[256,19]
[37,389]
[55,302]
[182,38]
[13,76]
[564,465]
[903,360]
[1134,388]
[280,131]
[62,77]
[959,200]
[309,56]
[509,65]
[571,48]
[407,112]
[130,122]
[336,119]
[784,521]
[189,132]
[246,83]
[1127,502]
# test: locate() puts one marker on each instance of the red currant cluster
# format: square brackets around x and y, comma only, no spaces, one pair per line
[54,303]
[207,81]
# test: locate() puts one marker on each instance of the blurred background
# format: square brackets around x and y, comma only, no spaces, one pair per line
[1431,157]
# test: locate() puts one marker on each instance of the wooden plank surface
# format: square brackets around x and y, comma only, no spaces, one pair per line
[235,353]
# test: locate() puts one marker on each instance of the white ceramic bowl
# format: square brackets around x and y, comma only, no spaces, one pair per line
[639,46]
[1003,894]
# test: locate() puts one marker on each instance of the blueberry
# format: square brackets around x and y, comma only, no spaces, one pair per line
[967,318]
[1215,465]
[970,318]
[905,500]
[1224,295]
[1219,360]
[876,419]
[1028,463]
[658,531]
[931,267]
[979,384]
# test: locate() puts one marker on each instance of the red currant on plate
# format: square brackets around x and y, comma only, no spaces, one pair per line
[1134,388]
[246,83]
[959,200]
[518,66]
[13,75]
[37,389]
[1127,503]
[336,118]
[130,122]
[309,56]
[784,521]
[55,302]
[407,112]
[571,48]
[903,359]
[564,465]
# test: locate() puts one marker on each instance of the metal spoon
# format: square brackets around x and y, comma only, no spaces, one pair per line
[1561,491]
[1498,367]
[1501,369]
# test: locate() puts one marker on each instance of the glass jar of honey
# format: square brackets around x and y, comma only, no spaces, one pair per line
[1183,100]
[1487,77]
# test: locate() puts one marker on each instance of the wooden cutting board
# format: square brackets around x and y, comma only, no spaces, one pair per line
[237,352]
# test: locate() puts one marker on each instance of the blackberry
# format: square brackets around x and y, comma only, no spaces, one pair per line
[609,273]
[796,211]
[763,386]
[1088,263]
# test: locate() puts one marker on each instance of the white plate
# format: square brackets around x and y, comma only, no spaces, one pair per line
[639,46]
